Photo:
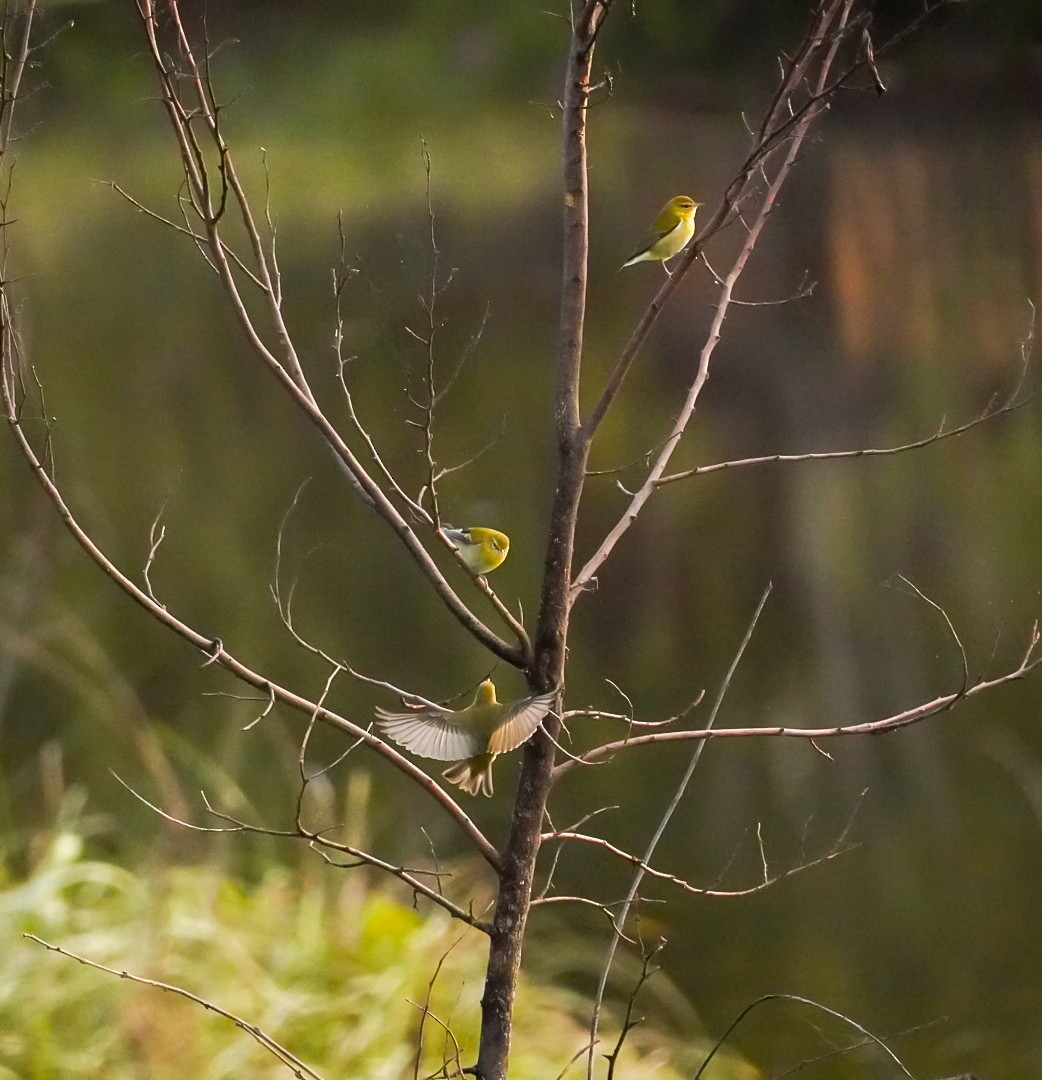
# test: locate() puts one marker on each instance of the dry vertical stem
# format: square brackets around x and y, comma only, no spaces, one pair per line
[547,670]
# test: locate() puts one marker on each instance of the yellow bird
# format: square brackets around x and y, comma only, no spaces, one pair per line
[482,549]
[476,734]
[670,233]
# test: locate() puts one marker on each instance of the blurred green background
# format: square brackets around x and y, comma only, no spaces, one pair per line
[920,218]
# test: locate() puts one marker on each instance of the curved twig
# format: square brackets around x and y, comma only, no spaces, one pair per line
[667,815]
[1011,405]
[274,1048]
[675,879]
[286,365]
[835,15]
[218,654]
[873,727]
[800,1001]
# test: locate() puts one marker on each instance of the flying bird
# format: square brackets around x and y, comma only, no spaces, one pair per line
[472,737]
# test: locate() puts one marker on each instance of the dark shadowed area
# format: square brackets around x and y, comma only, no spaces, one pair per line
[917,217]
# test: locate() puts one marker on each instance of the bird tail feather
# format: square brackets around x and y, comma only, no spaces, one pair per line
[474,775]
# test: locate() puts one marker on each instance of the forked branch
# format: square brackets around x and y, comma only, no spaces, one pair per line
[992,411]
[675,879]
[213,648]
[784,118]
[214,187]
[914,715]
[825,38]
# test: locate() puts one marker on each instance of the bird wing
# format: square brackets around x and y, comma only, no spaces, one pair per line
[659,231]
[431,734]
[668,220]
[457,536]
[519,722]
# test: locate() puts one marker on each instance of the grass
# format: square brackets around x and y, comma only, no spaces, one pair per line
[329,964]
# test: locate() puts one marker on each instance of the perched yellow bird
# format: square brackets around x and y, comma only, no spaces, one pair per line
[482,549]
[476,734]
[670,233]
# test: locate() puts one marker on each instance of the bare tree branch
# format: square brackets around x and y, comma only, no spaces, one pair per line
[549,655]
[783,120]
[628,1022]
[916,591]
[851,1047]
[803,290]
[238,244]
[320,843]
[408,877]
[796,999]
[686,886]
[768,140]
[282,361]
[214,648]
[660,829]
[14,65]
[990,412]
[429,304]
[298,1068]
[874,727]
[425,1011]
[835,14]
[415,506]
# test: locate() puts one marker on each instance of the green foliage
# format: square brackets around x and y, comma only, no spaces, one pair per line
[333,968]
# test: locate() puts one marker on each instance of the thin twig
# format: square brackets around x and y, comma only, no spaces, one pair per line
[572,1060]
[990,413]
[674,879]
[800,1001]
[678,795]
[319,843]
[588,757]
[951,629]
[226,660]
[274,1048]
[887,724]
[838,12]
[429,303]
[425,1011]
[839,1051]
[210,202]
[803,290]
[628,1022]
